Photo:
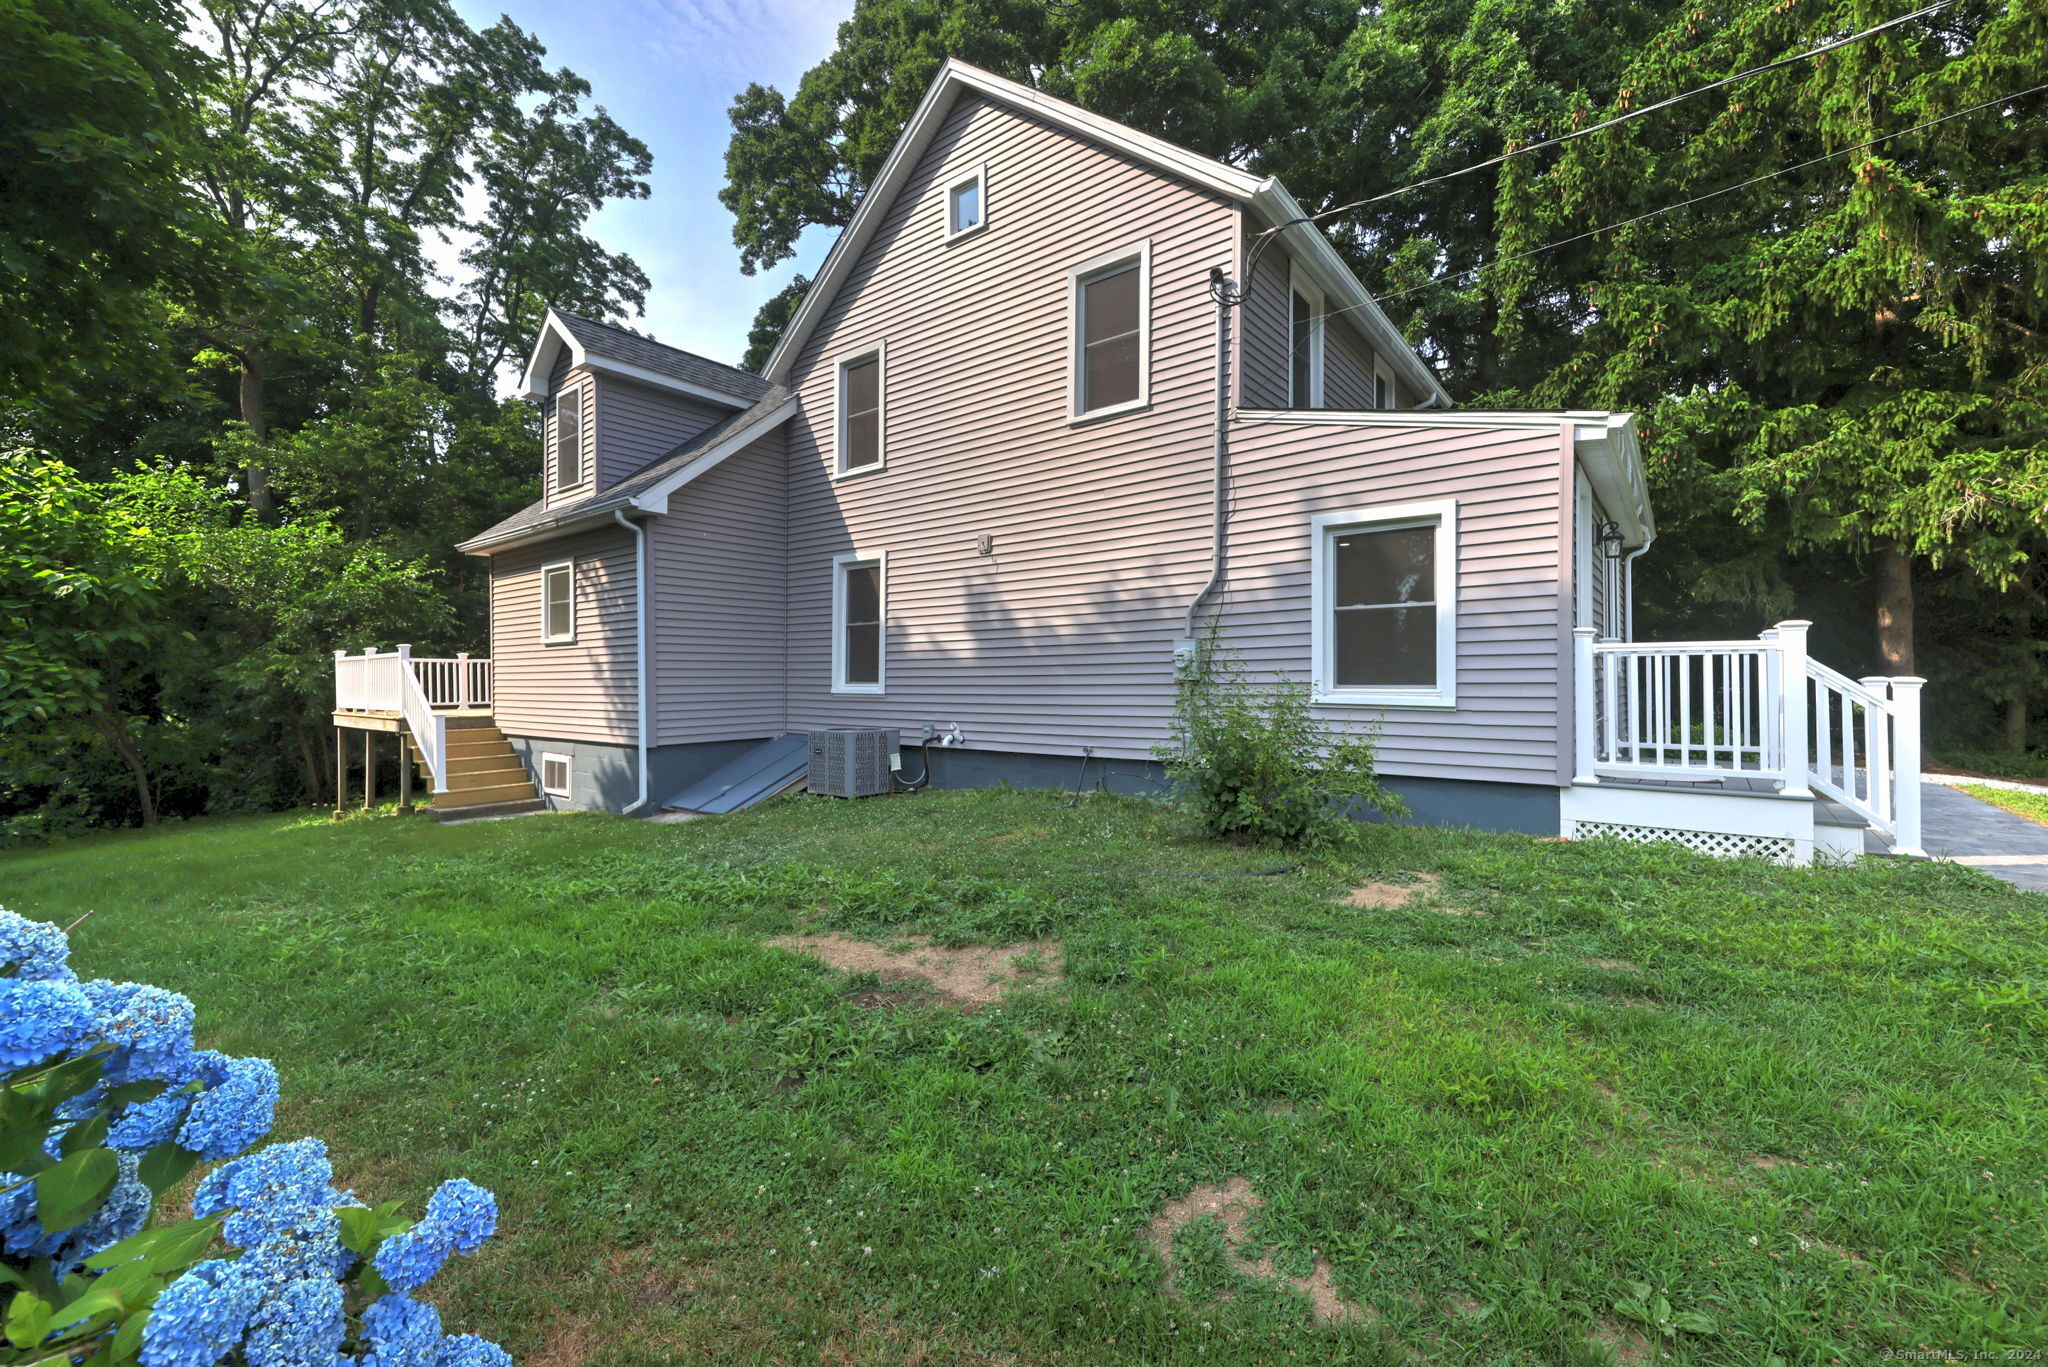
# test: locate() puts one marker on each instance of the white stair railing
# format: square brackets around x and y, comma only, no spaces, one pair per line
[388,682]
[459,682]
[1711,711]
[429,728]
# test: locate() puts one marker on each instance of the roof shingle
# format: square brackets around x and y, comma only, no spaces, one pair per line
[602,339]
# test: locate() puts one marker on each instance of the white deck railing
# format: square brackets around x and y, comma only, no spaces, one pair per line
[1761,710]
[420,690]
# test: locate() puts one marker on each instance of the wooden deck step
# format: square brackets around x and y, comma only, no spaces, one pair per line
[521,791]
[487,810]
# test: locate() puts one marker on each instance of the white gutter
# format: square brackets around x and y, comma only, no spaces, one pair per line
[639,643]
[1628,589]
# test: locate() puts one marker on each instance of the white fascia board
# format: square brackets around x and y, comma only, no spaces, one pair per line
[655,498]
[583,519]
[1604,443]
[1313,252]
[533,384]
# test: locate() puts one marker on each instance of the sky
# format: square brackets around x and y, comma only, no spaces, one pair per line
[667,70]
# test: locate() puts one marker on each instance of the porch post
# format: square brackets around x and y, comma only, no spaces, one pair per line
[369,768]
[1906,763]
[462,679]
[404,775]
[1585,752]
[340,773]
[1792,705]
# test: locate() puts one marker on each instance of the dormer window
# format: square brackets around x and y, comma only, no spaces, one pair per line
[1304,342]
[967,204]
[569,439]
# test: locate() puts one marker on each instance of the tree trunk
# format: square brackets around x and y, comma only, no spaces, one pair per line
[2016,696]
[115,730]
[1895,610]
[306,760]
[260,499]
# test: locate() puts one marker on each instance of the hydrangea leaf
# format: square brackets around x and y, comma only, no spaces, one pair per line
[74,1187]
[164,1166]
[28,1320]
[88,1134]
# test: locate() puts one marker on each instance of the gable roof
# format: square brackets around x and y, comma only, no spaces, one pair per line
[646,490]
[616,351]
[1265,196]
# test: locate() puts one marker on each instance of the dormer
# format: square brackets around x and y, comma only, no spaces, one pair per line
[612,402]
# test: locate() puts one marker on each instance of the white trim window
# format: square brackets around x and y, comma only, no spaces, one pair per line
[557,775]
[1110,317]
[558,603]
[860,623]
[1305,326]
[967,204]
[568,439]
[1384,395]
[1385,584]
[862,381]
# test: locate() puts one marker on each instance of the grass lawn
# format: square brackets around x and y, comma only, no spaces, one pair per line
[1807,1110]
[2032,806]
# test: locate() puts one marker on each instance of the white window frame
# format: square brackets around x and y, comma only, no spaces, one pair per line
[840,565]
[879,354]
[1323,531]
[581,395]
[560,638]
[1298,283]
[1088,271]
[1382,371]
[978,178]
[568,764]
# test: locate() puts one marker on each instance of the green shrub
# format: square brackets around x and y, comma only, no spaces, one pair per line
[1252,761]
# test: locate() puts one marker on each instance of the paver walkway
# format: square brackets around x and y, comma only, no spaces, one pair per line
[1957,826]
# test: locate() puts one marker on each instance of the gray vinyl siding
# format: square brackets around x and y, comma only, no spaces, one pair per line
[639,423]
[562,379]
[720,575]
[582,691]
[1063,637]
[1264,345]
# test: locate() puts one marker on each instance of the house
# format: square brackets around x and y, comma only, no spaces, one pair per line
[1061,394]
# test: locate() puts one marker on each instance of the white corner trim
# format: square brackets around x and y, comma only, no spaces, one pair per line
[548,638]
[840,564]
[978,178]
[1299,282]
[879,353]
[1078,276]
[1443,515]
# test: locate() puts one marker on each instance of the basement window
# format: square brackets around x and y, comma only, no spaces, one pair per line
[858,618]
[555,775]
[558,603]
[1385,590]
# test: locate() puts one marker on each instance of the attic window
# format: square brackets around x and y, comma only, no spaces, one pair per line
[967,204]
[1382,385]
[569,439]
[1304,343]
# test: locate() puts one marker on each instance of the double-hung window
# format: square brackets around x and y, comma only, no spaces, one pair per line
[1112,316]
[967,204]
[859,596]
[569,439]
[1304,343]
[558,603]
[1382,384]
[1385,590]
[860,413]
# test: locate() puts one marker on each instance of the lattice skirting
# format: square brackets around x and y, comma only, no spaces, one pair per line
[1774,847]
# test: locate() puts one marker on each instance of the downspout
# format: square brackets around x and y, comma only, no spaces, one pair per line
[1628,588]
[639,643]
[1220,289]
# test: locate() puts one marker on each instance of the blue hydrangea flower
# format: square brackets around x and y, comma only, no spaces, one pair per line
[41,1018]
[268,1191]
[400,1332]
[36,950]
[125,1212]
[467,1350]
[146,1124]
[21,1233]
[150,1028]
[465,1211]
[234,1111]
[301,1325]
[308,1247]
[199,1317]
[409,1260]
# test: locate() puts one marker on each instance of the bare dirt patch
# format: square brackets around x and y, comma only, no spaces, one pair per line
[1615,965]
[969,977]
[1383,896]
[1625,1346]
[1234,1203]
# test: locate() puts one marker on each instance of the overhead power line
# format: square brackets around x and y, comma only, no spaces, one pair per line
[1697,199]
[1831,45]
